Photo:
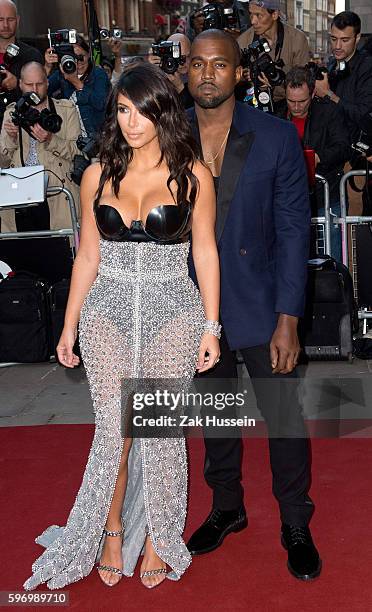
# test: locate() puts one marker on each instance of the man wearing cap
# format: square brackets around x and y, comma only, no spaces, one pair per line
[287,43]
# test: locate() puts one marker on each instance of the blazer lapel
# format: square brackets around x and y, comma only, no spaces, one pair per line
[237,149]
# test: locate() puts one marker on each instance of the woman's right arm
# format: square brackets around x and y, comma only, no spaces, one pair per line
[85,267]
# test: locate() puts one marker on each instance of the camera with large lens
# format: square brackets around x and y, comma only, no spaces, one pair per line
[218,17]
[25,115]
[170,55]
[89,148]
[364,142]
[12,51]
[317,72]
[62,41]
[256,57]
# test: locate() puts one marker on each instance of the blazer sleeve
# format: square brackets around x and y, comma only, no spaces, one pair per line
[292,226]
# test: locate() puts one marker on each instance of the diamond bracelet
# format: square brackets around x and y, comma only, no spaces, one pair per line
[212,327]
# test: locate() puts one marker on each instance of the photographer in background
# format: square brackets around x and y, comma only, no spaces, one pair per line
[88,86]
[10,65]
[349,85]
[196,21]
[288,45]
[55,151]
[321,129]
[116,47]
[349,79]
[179,77]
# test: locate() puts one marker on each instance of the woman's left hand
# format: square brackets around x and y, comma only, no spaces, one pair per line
[209,352]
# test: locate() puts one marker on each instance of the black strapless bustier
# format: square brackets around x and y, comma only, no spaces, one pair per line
[166,224]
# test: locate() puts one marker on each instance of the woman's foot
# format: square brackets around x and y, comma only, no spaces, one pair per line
[111,562]
[153,569]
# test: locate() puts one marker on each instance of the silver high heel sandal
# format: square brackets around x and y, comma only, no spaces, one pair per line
[153,572]
[110,568]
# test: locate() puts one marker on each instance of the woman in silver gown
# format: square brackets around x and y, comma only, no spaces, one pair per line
[140,317]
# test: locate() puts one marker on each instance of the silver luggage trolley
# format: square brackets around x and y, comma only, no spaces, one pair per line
[322,225]
[345,222]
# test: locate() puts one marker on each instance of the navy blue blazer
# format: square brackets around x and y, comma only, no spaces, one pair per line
[262,227]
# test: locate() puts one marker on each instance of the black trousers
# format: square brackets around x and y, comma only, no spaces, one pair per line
[278,403]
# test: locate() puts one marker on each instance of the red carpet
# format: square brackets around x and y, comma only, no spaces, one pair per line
[41,472]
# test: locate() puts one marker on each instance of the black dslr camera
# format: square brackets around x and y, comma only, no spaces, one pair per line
[25,116]
[256,57]
[317,72]
[10,54]
[364,143]
[89,148]
[170,56]
[61,42]
[218,17]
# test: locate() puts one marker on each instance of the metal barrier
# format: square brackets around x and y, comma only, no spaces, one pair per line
[326,220]
[73,231]
[344,221]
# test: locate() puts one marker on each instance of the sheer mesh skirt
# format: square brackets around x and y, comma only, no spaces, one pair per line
[143,318]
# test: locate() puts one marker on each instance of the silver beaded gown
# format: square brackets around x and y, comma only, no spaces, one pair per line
[143,318]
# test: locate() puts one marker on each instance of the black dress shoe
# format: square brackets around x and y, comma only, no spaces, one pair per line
[303,558]
[215,528]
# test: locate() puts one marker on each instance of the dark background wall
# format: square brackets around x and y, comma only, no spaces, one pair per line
[38,15]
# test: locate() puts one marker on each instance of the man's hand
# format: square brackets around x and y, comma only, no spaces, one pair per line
[317,159]
[10,82]
[264,80]
[284,346]
[177,81]
[322,87]
[153,59]
[115,46]
[11,130]
[40,134]
[51,58]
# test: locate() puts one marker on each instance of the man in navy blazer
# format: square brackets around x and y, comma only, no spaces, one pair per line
[263,226]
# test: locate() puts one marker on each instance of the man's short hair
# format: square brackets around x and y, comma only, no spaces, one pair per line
[346,19]
[221,34]
[298,76]
[32,64]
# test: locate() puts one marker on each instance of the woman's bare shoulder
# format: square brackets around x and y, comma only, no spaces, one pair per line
[91,177]
[202,172]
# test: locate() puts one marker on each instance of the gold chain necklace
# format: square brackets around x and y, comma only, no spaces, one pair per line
[219,150]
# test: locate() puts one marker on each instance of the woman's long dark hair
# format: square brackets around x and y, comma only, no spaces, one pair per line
[149,89]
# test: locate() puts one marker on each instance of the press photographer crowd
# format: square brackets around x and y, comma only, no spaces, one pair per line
[53,103]
[190,214]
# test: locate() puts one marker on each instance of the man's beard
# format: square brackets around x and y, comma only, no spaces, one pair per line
[211,102]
